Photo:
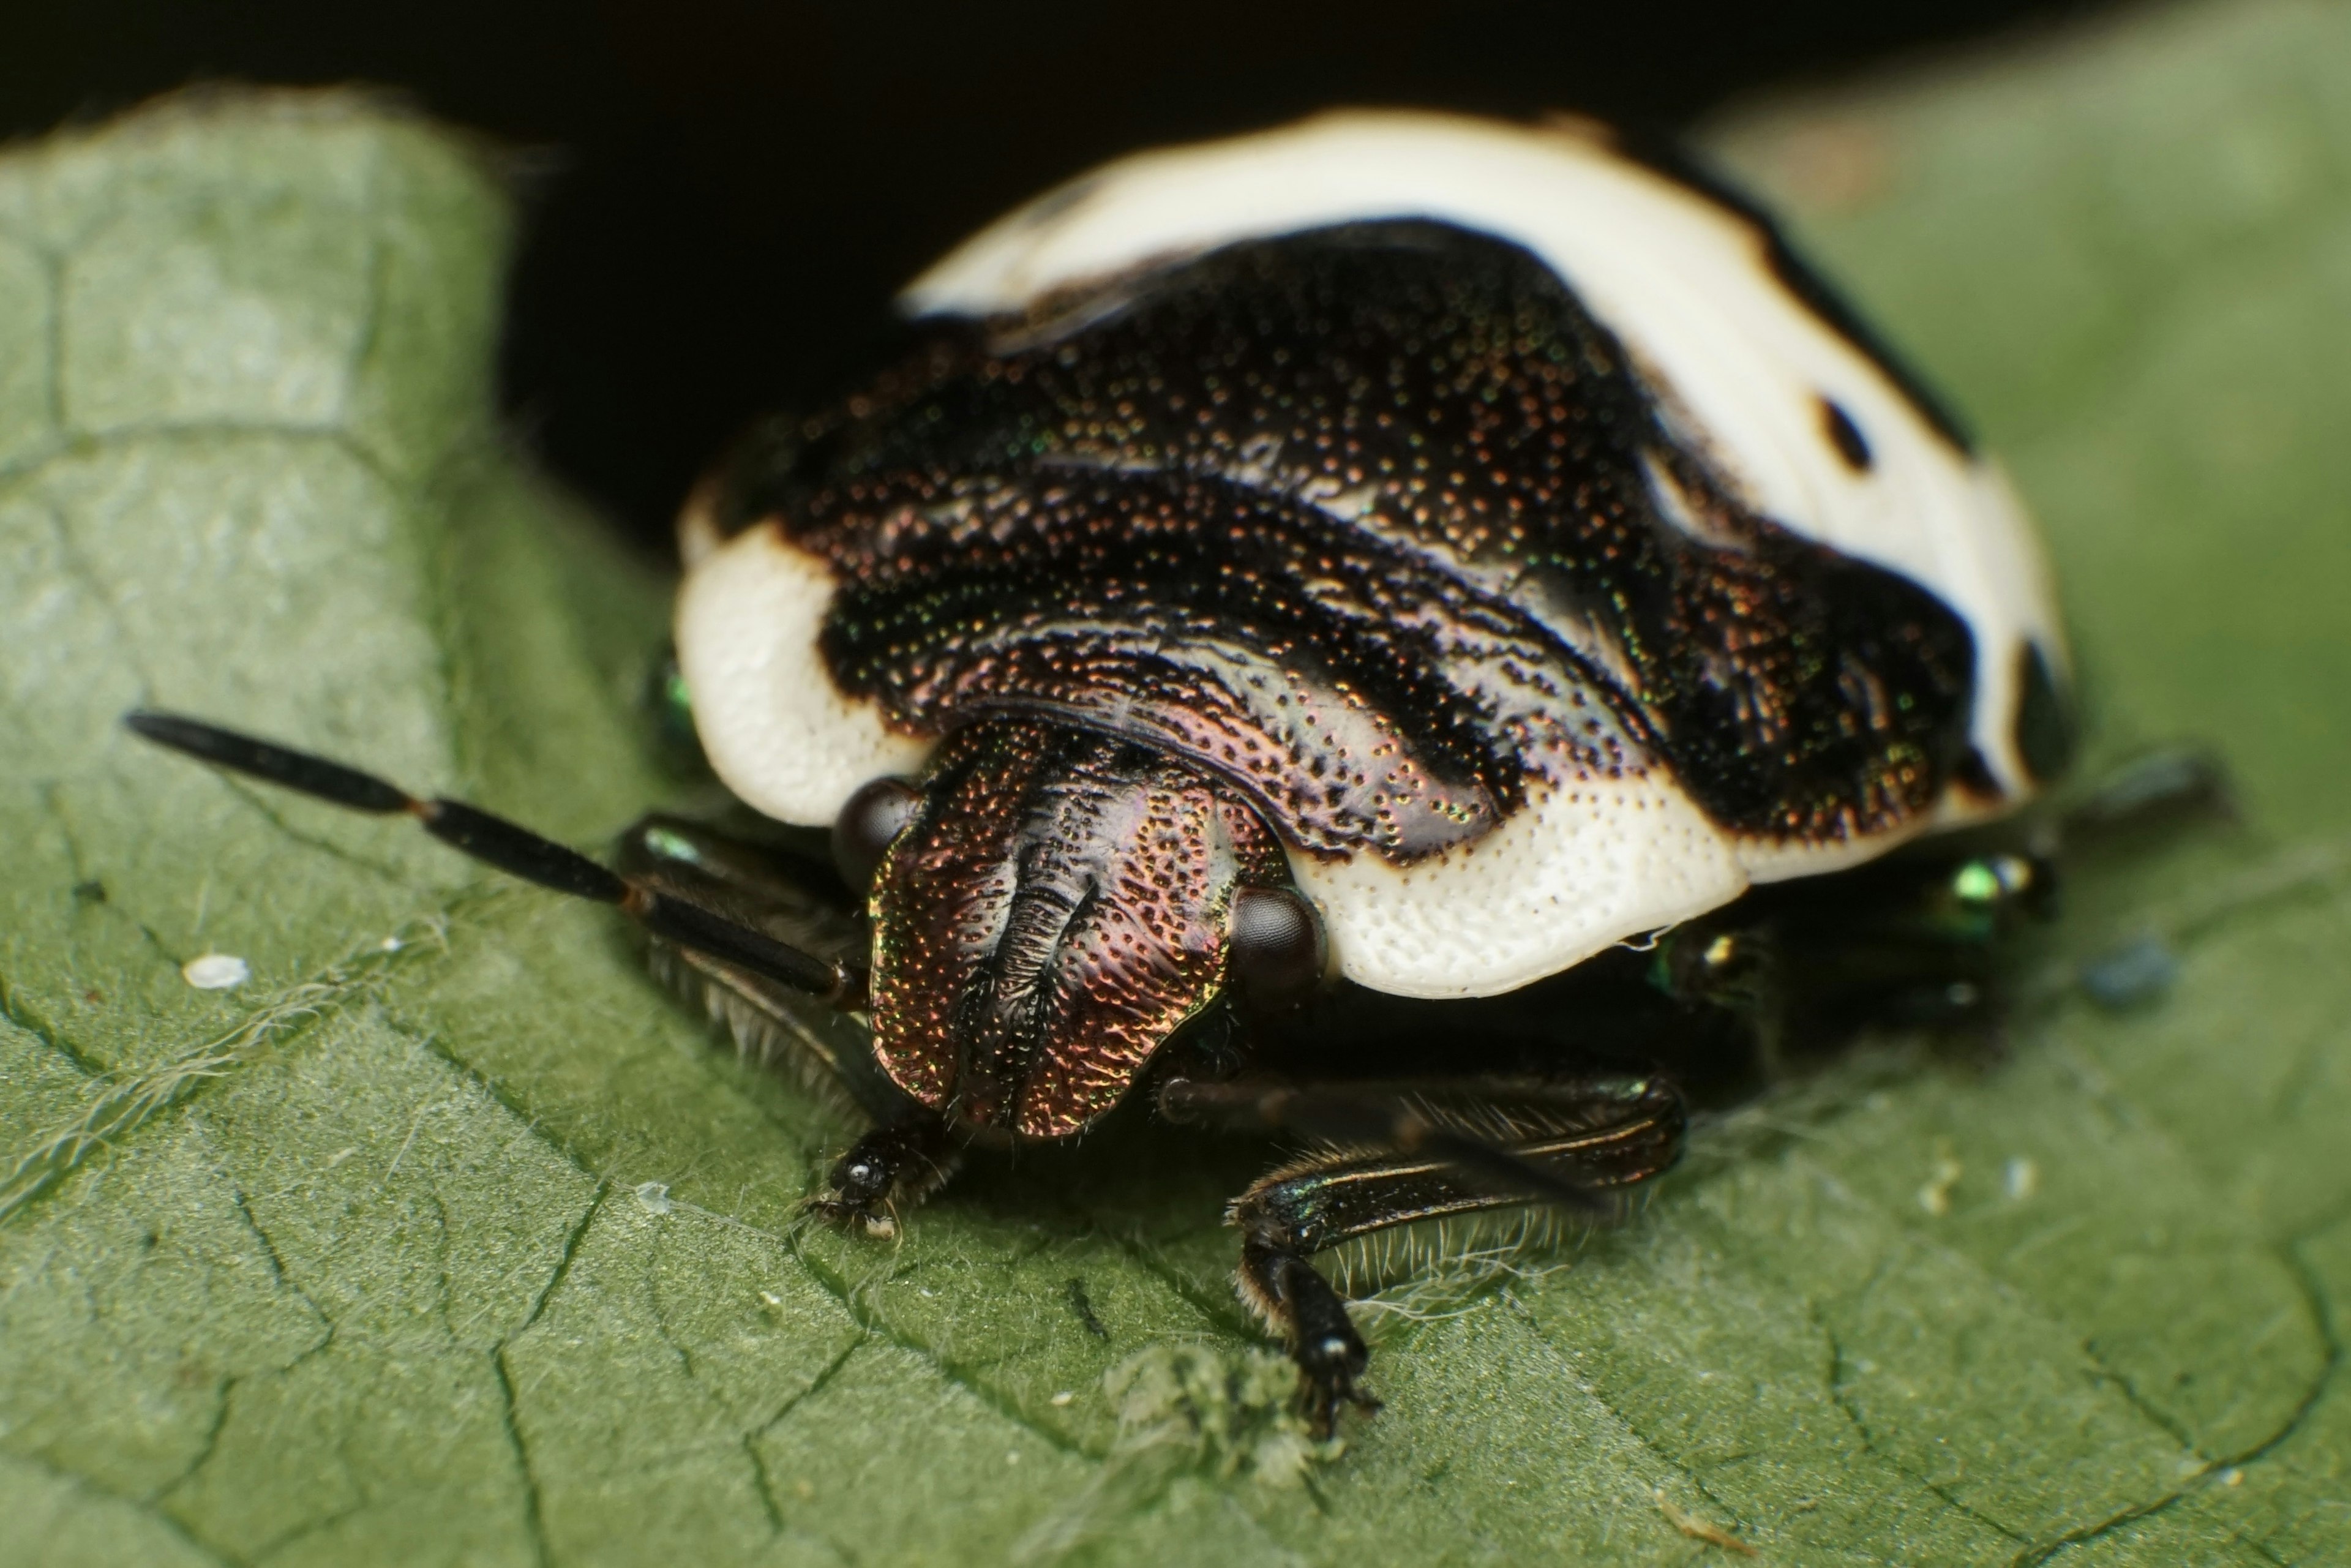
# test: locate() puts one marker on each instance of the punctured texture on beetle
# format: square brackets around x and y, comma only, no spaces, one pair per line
[1057,909]
[1377,522]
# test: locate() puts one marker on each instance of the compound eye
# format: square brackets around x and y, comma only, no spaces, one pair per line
[876,814]
[1278,948]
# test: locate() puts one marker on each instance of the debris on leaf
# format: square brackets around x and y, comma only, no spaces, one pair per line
[2131,975]
[2020,1177]
[1185,1409]
[1935,1198]
[1236,1415]
[1698,1529]
[216,971]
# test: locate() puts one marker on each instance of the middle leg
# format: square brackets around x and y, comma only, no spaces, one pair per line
[1394,1154]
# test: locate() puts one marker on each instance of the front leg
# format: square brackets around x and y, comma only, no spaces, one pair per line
[902,1162]
[1409,1152]
[791,895]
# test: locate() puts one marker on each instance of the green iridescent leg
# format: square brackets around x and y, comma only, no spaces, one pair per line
[1912,942]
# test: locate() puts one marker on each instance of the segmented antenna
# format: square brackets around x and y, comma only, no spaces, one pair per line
[513,848]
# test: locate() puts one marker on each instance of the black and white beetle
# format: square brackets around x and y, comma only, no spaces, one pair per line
[1292,588]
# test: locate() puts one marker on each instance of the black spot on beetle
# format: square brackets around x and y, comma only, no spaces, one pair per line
[1797,275]
[2044,719]
[1975,776]
[1845,436]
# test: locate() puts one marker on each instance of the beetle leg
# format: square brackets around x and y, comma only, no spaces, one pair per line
[1914,942]
[904,1161]
[796,898]
[1395,1153]
[1734,964]
[1295,1302]
[2151,791]
[908,1154]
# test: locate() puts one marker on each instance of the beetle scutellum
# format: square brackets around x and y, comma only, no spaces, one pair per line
[1394,556]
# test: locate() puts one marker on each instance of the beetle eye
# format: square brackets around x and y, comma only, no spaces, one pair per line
[876,814]
[1277,943]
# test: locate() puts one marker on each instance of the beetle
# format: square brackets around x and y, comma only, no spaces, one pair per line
[1415,633]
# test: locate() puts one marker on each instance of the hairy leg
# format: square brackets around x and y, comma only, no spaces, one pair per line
[796,897]
[1395,1153]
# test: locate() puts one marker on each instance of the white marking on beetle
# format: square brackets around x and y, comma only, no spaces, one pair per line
[1347,505]
[216,971]
[779,732]
[1579,868]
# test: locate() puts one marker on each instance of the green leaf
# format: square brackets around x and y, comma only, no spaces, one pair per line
[446,1235]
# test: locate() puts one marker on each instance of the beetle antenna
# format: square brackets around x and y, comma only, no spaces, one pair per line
[513,848]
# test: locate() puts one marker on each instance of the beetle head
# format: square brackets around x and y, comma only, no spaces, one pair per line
[1053,905]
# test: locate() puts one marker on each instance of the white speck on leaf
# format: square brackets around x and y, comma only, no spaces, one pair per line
[654,1195]
[216,971]
[2020,1177]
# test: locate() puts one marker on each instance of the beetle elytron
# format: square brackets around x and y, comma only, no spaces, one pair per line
[1395,557]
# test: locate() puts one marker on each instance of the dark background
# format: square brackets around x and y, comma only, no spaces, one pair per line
[723,194]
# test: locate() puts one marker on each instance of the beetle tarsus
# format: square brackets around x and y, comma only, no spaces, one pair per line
[901,1163]
[1330,1355]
